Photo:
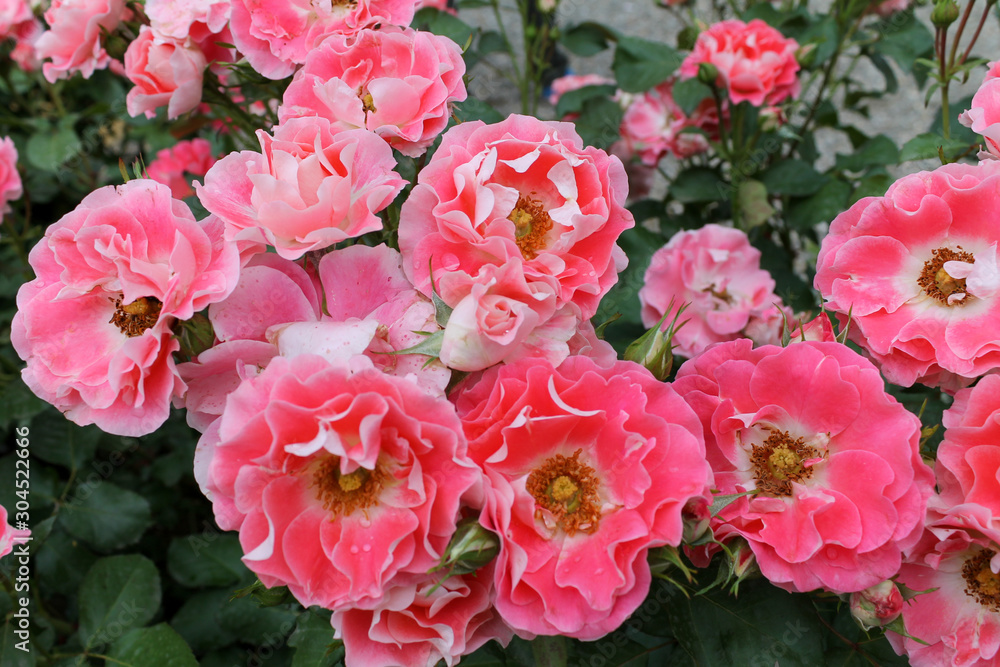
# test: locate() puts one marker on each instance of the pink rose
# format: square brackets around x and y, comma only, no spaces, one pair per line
[340,480]
[180,19]
[24,54]
[889,7]
[14,14]
[716,272]
[404,93]
[570,82]
[877,605]
[524,190]
[589,467]
[796,425]
[984,116]
[756,63]
[419,624]
[166,72]
[308,188]
[277,35]
[73,41]
[653,123]
[956,619]
[113,276]
[193,156]
[917,271]
[501,317]
[10,179]
[9,536]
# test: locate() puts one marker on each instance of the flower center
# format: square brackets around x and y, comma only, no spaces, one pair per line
[343,494]
[531,224]
[778,462]
[132,319]
[980,581]
[367,101]
[566,488]
[937,283]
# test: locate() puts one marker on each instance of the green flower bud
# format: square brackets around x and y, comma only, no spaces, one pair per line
[945,13]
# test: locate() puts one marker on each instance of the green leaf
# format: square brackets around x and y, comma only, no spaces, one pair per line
[792,177]
[764,625]
[824,206]
[877,151]
[492,41]
[197,621]
[61,563]
[756,209]
[61,442]
[904,38]
[699,184]
[105,516]
[314,643]
[10,654]
[119,593]
[51,146]
[689,93]
[873,185]
[19,403]
[586,39]
[158,646]
[206,559]
[251,622]
[474,108]
[925,147]
[572,102]
[640,64]
[443,23]
[598,122]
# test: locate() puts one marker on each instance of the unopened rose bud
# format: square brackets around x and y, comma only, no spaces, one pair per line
[708,73]
[696,519]
[877,606]
[652,350]
[470,548]
[945,13]
[806,55]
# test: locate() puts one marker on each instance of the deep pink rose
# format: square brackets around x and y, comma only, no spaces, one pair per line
[194,157]
[10,179]
[9,536]
[756,63]
[73,40]
[841,490]
[419,623]
[403,92]
[716,272]
[166,72]
[277,35]
[957,619]
[339,479]
[984,116]
[113,276]
[653,125]
[917,271]
[589,467]
[520,189]
[308,188]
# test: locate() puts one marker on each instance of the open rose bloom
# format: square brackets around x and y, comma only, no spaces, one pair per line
[916,271]
[339,478]
[840,488]
[73,41]
[983,117]
[756,63]
[112,278]
[588,467]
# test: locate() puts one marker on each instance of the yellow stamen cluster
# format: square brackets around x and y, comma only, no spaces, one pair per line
[133,319]
[342,494]
[567,488]
[777,462]
[531,226]
[937,283]
[981,583]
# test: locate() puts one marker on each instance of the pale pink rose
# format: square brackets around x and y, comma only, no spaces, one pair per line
[984,116]
[641,176]
[166,72]
[570,82]
[340,479]
[193,157]
[113,276]
[917,271]
[501,317]
[181,19]
[589,468]
[404,93]
[756,63]
[525,190]
[586,343]
[716,272]
[73,41]
[277,35]
[421,623]
[10,179]
[795,425]
[10,536]
[653,125]
[13,14]
[309,188]
[957,618]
